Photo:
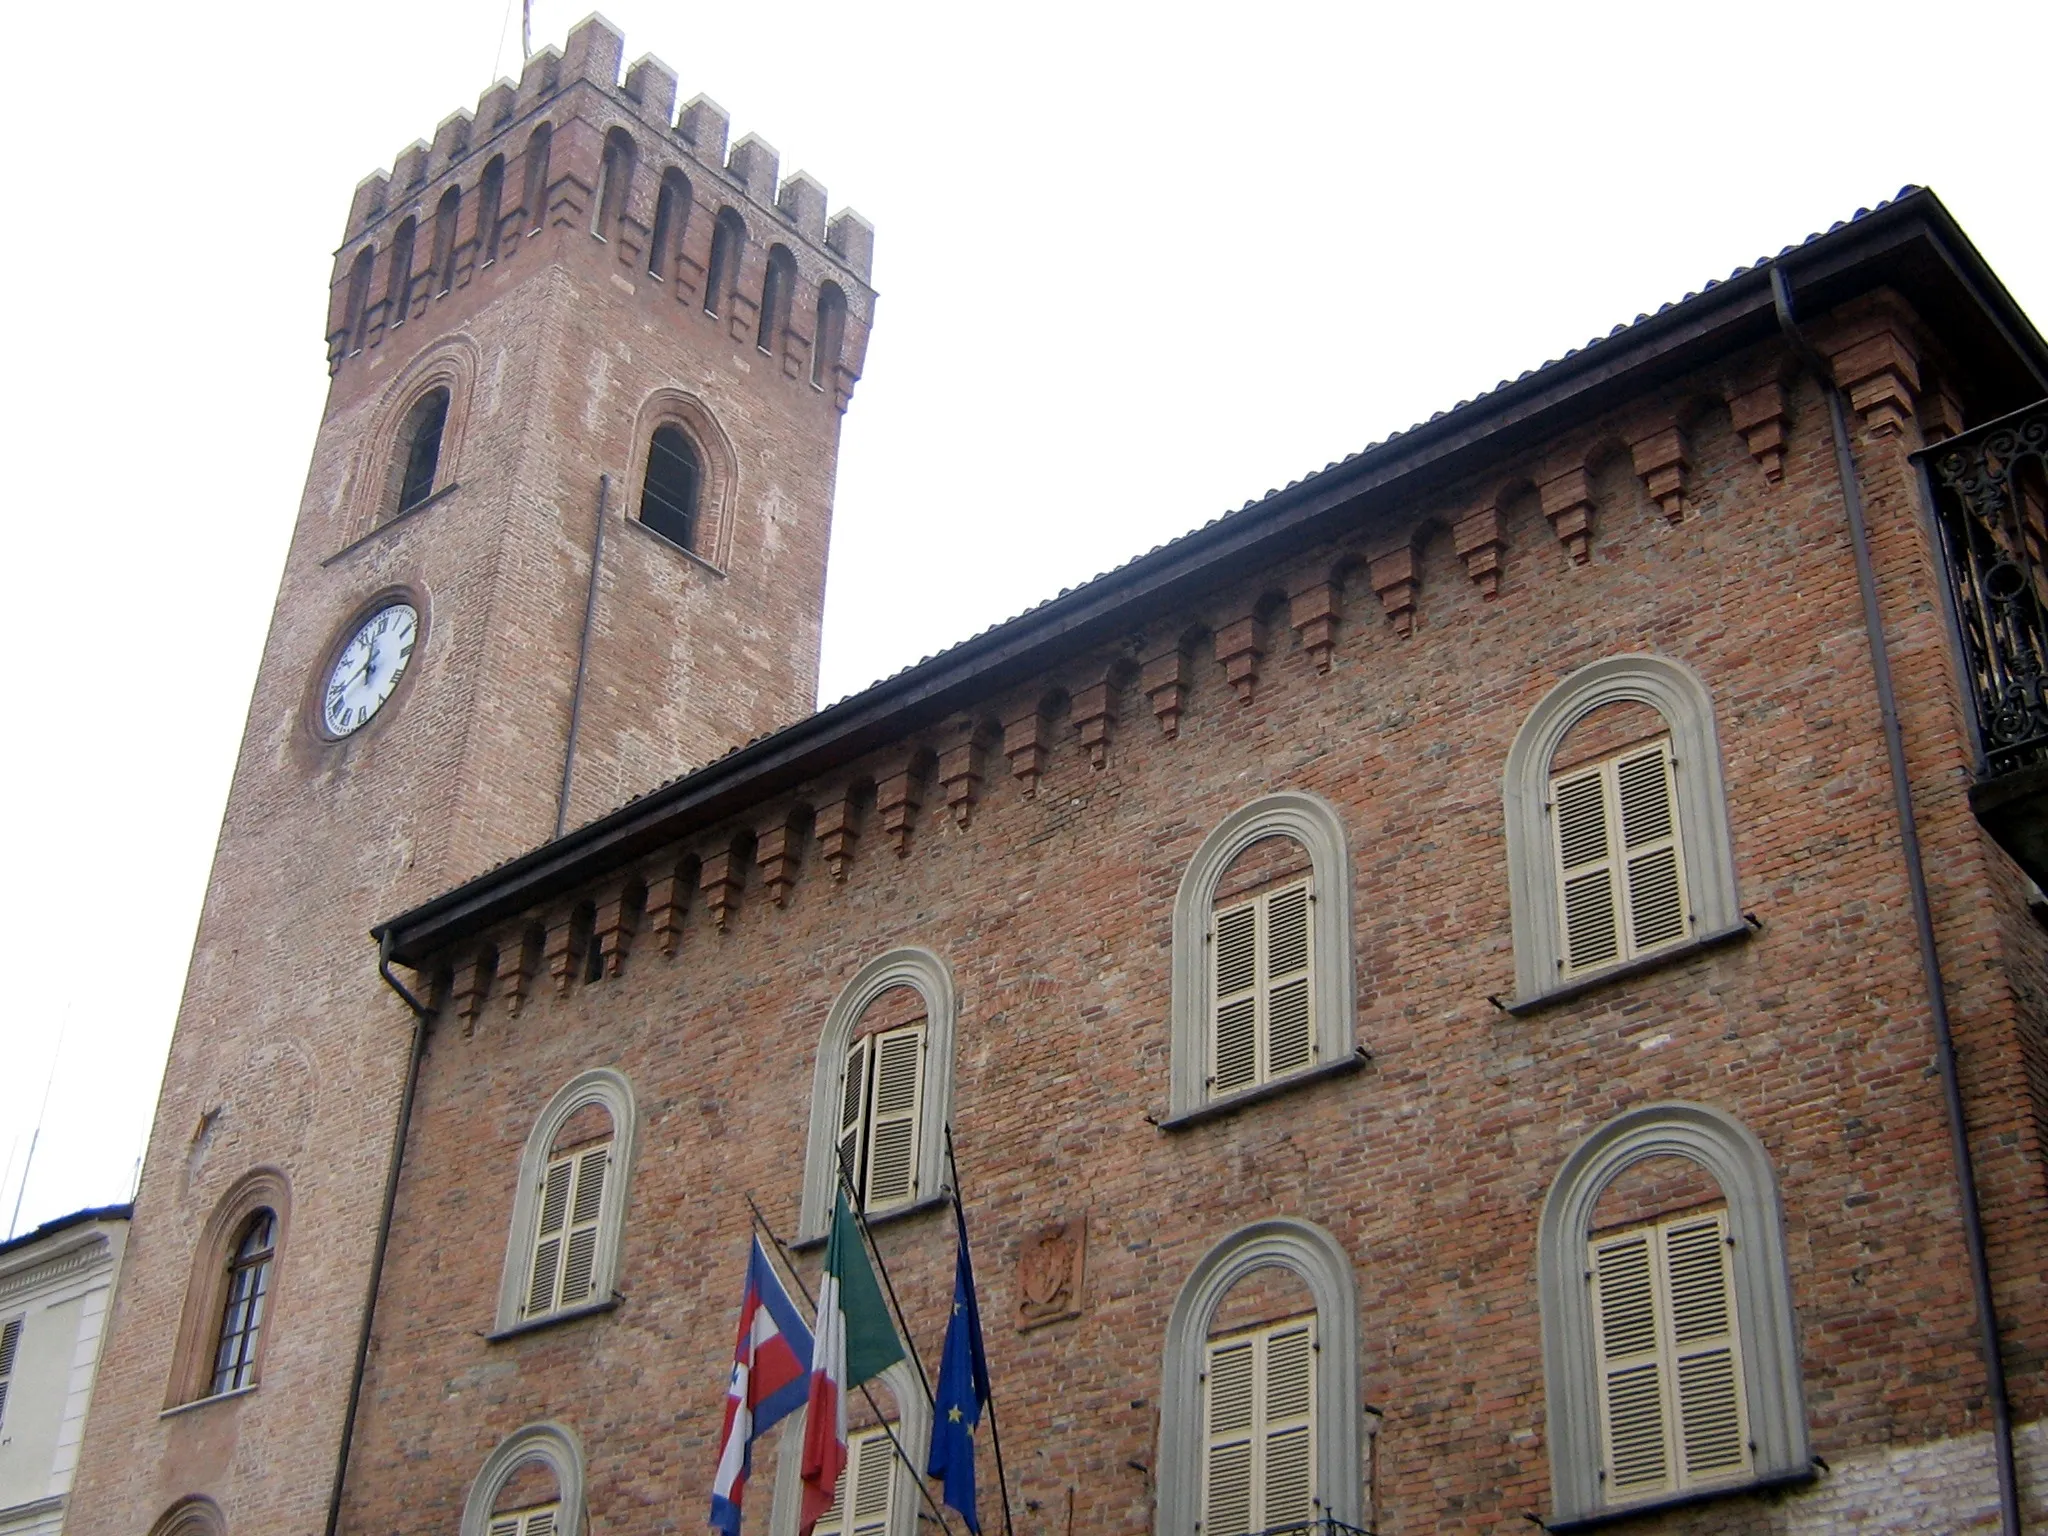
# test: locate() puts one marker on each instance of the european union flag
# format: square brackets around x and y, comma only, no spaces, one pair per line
[962,1393]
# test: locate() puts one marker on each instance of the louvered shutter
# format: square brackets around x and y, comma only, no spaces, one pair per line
[506,1525]
[1655,873]
[1672,1414]
[853,1111]
[1258,1465]
[579,1264]
[1235,941]
[550,1219]
[1290,1014]
[541,1522]
[892,1127]
[1620,868]
[1713,1438]
[867,1486]
[10,1341]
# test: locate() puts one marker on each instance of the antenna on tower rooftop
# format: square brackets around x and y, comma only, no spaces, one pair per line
[525,30]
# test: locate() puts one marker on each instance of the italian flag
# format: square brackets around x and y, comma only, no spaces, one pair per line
[853,1342]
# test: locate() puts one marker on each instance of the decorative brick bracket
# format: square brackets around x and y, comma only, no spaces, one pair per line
[1568,503]
[562,950]
[1660,463]
[1397,581]
[838,830]
[612,932]
[517,957]
[668,895]
[1761,415]
[1876,364]
[720,880]
[1313,611]
[1095,720]
[960,775]
[467,991]
[1238,647]
[1480,543]
[1024,745]
[1164,680]
[898,797]
[776,854]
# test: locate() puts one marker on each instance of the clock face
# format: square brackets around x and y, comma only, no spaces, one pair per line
[368,668]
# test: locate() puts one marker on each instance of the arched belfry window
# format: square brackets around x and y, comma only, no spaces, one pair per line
[1262,973]
[355,315]
[671,216]
[1670,1359]
[831,334]
[672,487]
[728,240]
[447,218]
[248,1294]
[535,197]
[398,283]
[614,184]
[882,1089]
[418,457]
[1259,1420]
[1617,824]
[777,285]
[490,199]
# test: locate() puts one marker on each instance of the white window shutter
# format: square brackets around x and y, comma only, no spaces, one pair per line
[541,1522]
[1262,989]
[1290,1003]
[1620,864]
[579,1264]
[853,1112]
[1634,1403]
[551,1216]
[873,1464]
[1646,799]
[1235,976]
[506,1525]
[1713,1435]
[897,1101]
[1585,857]
[10,1342]
[1258,1466]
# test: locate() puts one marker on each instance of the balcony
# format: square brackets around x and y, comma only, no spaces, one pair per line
[1989,492]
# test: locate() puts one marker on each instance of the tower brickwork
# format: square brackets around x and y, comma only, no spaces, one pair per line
[520,312]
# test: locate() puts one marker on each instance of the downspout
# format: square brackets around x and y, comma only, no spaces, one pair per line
[1923,916]
[412,1079]
[604,485]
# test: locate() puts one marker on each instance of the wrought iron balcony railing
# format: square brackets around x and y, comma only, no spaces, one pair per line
[1990,494]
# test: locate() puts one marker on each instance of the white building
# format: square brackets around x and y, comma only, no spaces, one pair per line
[55,1286]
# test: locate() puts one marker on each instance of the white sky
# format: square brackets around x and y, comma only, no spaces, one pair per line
[1138,263]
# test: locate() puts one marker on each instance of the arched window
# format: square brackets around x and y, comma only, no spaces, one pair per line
[418,457]
[877,1493]
[248,1289]
[193,1515]
[777,284]
[536,195]
[882,1089]
[672,486]
[831,334]
[1262,974]
[728,240]
[1259,1422]
[447,217]
[398,279]
[355,317]
[671,215]
[1669,1360]
[1617,826]
[568,1215]
[490,198]
[531,1485]
[230,1300]
[614,184]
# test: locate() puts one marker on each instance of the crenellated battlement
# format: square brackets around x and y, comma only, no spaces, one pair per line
[577,147]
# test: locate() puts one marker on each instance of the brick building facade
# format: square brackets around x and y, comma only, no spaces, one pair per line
[1437,949]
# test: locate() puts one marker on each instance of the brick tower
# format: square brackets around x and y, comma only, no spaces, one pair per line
[563,537]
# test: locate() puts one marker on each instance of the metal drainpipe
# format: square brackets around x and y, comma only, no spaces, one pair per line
[412,1079]
[604,485]
[1923,916]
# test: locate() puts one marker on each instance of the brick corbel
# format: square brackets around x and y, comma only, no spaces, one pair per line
[1395,578]
[721,880]
[612,931]
[1313,612]
[561,950]
[1568,502]
[1877,365]
[1024,744]
[776,854]
[1164,680]
[668,896]
[898,797]
[1761,414]
[517,957]
[1480,541]
[960,775]
[467,989]
[838,830]
[1095,719]
[1239,647]
[1661,463]
[1941,415]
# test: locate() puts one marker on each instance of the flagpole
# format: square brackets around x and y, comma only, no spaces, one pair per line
[903,1323]
[916,1472]
[995,1428]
